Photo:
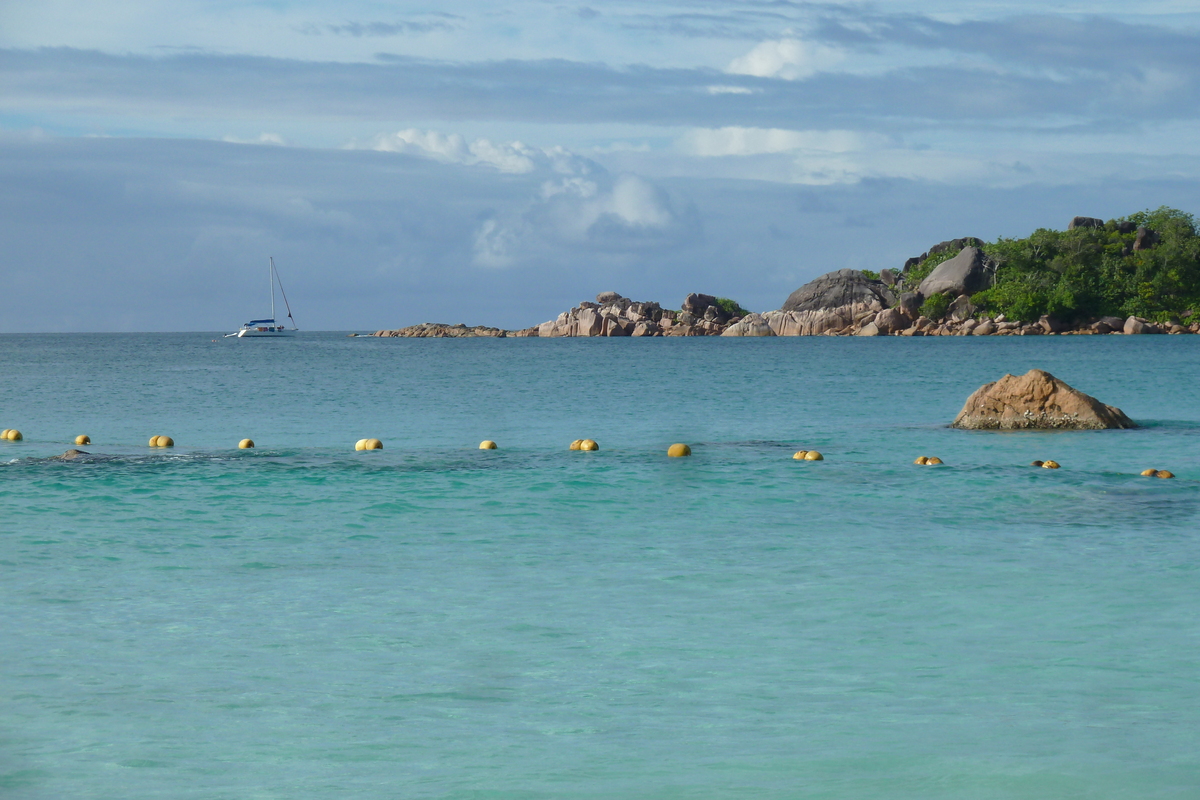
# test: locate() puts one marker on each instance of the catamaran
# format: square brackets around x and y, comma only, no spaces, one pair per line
[269,327]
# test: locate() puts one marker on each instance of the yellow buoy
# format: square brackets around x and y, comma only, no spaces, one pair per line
[1050,465]
[83,438]
[14,435]
[1162,473]
[1036,463]
[487,444]
[679,450]
[575,445]
[361,444]
[166,441]
[154,441]
[372,444]
[4,434]
[245,444]
[800,454]
[813,455]
[1149,473]
[589,444]
[921,460]
[933,460]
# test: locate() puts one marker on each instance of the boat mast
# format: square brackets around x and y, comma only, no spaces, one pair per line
[271,276]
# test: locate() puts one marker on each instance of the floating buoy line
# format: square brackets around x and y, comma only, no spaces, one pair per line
[677,450]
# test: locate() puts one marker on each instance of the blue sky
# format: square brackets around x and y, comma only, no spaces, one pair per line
[495,165]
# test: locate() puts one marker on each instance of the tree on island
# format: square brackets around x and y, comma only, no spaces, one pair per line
[1145,265]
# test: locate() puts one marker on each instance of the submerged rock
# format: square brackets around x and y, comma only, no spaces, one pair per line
[1036,399]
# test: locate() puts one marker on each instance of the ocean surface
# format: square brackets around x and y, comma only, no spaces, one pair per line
[434,621]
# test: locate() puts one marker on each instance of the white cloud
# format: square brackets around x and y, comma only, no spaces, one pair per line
[637,202]
[790,59]
[454,149]
[262,138]
[731,90]
[582,205]
[739,141]
[815,157]
[493,245]
[581,211]
[512,157]
[622,215]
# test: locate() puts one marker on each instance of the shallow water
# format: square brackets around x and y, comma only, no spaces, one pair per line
[435,621]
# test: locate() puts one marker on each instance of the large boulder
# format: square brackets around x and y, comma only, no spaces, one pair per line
[954,244]
[1051,324]
[588,322]
[1036,399]
[910,304]
[1085,222]
[812,323]
[698,303]
[836,289]
[966,273]
[749,325]
[961,309]
[891,321]
[1135,325]
[1146,239]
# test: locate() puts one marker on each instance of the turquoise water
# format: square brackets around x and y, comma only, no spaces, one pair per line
[435,621]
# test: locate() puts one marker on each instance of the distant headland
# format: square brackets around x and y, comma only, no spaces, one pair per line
[1135,275]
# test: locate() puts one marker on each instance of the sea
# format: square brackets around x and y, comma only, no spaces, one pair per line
[431,620]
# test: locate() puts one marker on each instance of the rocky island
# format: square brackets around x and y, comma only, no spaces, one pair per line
[1136,275]
[1036,400]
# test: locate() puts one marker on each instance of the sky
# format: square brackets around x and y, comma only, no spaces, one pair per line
[496,164]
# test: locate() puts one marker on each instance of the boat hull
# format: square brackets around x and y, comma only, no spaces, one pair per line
[263,335]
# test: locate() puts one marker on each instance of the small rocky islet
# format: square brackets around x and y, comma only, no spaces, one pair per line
[953,289]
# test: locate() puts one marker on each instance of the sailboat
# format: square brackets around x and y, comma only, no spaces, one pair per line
[269,327]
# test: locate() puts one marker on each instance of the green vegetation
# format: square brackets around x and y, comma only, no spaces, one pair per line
[731,307]
[870,275]
[1091,272]
[935,307]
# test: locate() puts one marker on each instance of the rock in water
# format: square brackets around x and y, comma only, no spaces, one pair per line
[1036,399]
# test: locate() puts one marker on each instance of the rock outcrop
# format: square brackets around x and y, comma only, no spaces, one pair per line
[440,330]
[839,289]
[614,315]
[1085,222]
[1135,325]
[953,244]
[1036,399]
[749,325]
[965,273]
[1145,239]
[822,322]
